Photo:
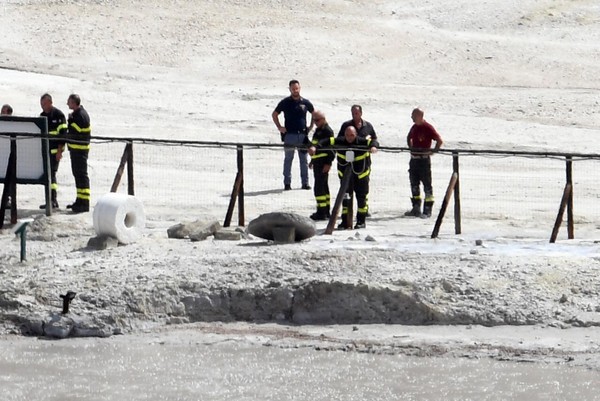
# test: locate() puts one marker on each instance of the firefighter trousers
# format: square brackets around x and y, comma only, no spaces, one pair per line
[359,184]
[321,188]
[420,172]
[79,168]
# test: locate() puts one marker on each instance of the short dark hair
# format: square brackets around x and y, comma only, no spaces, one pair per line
[8,109]
[294,82]
[356,106]
[46,96]
[75,98]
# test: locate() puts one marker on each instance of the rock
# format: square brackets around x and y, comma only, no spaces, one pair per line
[177,320]
[59,326]
[32,325]
[197,230]
[228,235]
[201,230]
[369,238]
[478,242]
[179,231]
[44,237]
[89,327]
[449,287]
[264,224]
[242,230]
[102,242]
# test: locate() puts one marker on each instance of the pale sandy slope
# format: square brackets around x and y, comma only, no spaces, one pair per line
[190,63]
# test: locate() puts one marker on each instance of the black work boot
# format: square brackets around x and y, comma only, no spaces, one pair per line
[360,220]
[54,202]
[416,208]
[321,214]
[81,206]
[344,223]
[54,197]
[427,209]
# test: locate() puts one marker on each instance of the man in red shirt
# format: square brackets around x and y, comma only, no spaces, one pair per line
[419,140]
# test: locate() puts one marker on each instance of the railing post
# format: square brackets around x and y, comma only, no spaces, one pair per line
[130,181]
[240,167]
[457,212]
[570,227]
[12,161]
[237,191]
[10,185]
[126,158]
[440,218]
[567,192]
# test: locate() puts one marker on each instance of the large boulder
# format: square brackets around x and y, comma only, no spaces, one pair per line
[282,227]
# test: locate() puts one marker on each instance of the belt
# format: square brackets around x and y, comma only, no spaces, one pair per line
[419,156]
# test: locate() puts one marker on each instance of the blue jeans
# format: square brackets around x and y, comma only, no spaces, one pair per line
[294,139]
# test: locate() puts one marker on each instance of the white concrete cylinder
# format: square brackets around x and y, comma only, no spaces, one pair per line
[119,216]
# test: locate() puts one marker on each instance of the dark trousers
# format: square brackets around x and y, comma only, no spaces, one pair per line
[420,172]
[321,187]
[53,169]
[359,184]
[79,168]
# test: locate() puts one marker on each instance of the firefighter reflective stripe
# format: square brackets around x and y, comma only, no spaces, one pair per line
[54,151]
[356,159]
[340,173]
[61,127]
[429,198]
[83,193]
[363,209]
[323,200]
[364,174]
[83,141]
[361,157]
[81,130]
[79,147]
[54,186]
[318,156]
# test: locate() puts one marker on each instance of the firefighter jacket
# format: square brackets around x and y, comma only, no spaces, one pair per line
[57,128]
[361,164]
[80,130]
[322,156]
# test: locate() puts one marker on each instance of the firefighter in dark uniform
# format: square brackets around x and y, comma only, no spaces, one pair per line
[419,141]
[57,131]
[359,167]
[363,128]
[320,163]
[79,133]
